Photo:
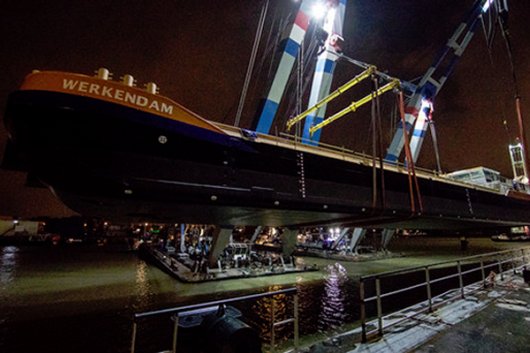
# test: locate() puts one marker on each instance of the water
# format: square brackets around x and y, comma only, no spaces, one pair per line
[55,299]
[81,299]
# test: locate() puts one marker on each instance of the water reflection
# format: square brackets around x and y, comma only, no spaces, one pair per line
[8,259]
[143,291]
[8,262]
[333,302]
[271,309]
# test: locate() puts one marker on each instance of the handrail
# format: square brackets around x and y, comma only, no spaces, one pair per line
[174,313]
[178,309]
[416,268]
[497,258]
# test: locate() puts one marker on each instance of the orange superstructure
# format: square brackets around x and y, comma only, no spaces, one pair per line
[114,92]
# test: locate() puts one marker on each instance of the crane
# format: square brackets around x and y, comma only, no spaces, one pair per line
[333,10]
[418,112]
[325,67]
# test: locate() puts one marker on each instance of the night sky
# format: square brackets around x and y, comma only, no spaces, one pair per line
[197,52]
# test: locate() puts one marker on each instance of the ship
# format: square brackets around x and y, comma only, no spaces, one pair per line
[112,150]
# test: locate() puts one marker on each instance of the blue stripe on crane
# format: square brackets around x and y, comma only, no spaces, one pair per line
[326,66]
[419,133]
[391,158]
[407,124]
[290,52]
[266,117]
[291,47]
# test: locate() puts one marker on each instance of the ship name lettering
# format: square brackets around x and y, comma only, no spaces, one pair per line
[117,94]
[94,89]
[167,108]
[107,92]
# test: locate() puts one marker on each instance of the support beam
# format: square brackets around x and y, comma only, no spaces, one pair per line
[356,237]
[255,235]
[343,233]
[386,236]
[288,238]
[220,239]
[183,237]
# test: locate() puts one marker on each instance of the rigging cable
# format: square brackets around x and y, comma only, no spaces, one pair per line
[380,142]
[308,57]
[414,188]
[299,88]
[252,60]
[434,141]
[377,149]
[374,152]
[503,23]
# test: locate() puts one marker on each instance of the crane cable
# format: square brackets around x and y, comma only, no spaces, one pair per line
[414,187]
[377,148]
[503,23]
[374,152]
[251,62]
[380,140]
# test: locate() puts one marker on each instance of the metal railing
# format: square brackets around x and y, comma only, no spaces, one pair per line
[303,144]
[499,261]
[173,314]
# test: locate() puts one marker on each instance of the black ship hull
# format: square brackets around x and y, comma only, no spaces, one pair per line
[108,160]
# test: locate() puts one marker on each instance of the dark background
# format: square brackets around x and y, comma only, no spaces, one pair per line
[197,52]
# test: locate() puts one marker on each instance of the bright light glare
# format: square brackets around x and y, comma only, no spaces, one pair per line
[486,5]
[330,19]
[318,11]
[425,103]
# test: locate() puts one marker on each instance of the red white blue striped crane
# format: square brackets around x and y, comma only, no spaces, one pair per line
[290,52]
[325,67]
[334,11]
[419,109]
